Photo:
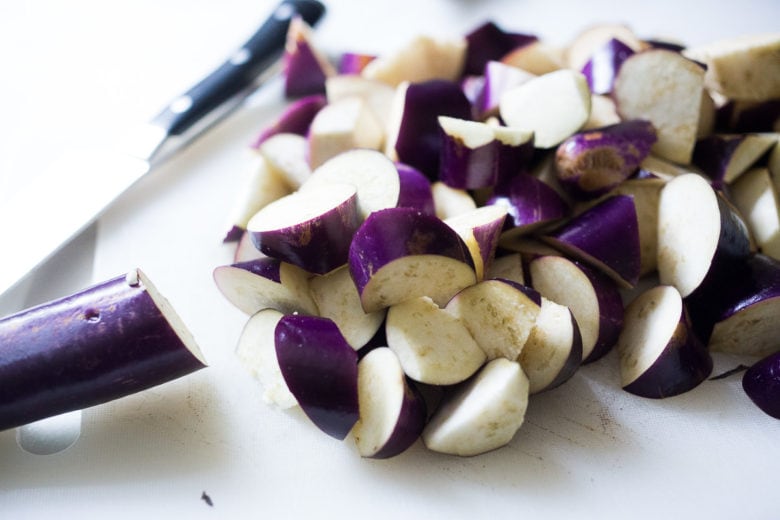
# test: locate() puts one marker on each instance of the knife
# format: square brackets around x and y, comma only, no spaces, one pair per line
[69,195]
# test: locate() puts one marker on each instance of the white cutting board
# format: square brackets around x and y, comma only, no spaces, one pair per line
[586,448]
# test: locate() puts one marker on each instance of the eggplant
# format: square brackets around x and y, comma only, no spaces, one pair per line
[451,202]
[724,157]
[305,68]
[468,154]
[531,205]
[262,186]
[482,414]
[265,283]
[500,314]
[421,59]
[337,298]
[320,369]
[592,162]
[433,346]
[373,175]
[308,228]
[536,57]
[553,106]
[377,95]
[392,410]
[743,67]
[111,340]
[755,195]
[480,229]
[497,79]
[591,39]
[508,266]
[353,63]
[256,351]
[488,42]
[748,116]
[553,352]
[400,253]
[671,101]
[761,383]
[342,126]
[593,298]
[295,119]
[415,190]
[287,155]
[413,132]
[660,355]
[602,67]
[738,314]
[700,236]
[606,236]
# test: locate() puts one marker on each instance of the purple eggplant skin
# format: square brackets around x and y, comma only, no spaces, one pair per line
[295,119]
[666,45]
[611,313]
[761,383]
[466,168]
[734,288]
[530,203]
[682,366]
[393,233]
[747,116]
[514,160]
[354,62]
[710,300]
[415,190]
[591,163]
[574,360]
[318,245]
[411,422]
[303,72]
[105,342]
[266,267]
[713,153]
[602,68]
[489,42]
[605,236]
[418,140]
[320,369]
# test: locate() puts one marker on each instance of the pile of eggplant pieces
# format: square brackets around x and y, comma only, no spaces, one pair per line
[430,236]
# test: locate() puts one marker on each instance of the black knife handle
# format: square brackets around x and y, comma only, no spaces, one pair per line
[261,51]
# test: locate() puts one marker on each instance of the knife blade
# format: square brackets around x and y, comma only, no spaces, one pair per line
[74,190]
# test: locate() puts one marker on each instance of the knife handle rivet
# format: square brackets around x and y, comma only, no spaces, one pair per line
[181,104]
[241,56]
[284,12]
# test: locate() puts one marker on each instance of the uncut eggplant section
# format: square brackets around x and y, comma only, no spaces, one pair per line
[515,195]
[108,341]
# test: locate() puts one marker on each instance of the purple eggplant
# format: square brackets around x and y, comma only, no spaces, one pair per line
[468,154]
[111,340]
[724,157]
[605,236]
[498,78]
[592,162]
[354,62]
[660,355]
[415,139]
[295,119]
[400,253]
[489,42]
[604,64]
[415,190]
[761,383]
[305,68]
[320,369]
[531,204]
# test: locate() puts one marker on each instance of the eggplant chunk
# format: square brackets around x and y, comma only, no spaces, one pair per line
[415,190]
[761,383]
[660,355]
[700,235]
[432,346]
[483,414]
[500,314]
[309,228]
[592,297]
[399,253]
[604,64]
[337,298]
[295,119]
[606,236]
[256,350]
[392,410]
[265,283]
[320,369]
[109,341]
[553,351]
[305,67]
[725,157]
[480,229]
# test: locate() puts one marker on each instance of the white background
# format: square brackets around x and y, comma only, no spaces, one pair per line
[77,73]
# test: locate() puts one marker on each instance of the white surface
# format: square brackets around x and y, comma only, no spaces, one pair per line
[79,72]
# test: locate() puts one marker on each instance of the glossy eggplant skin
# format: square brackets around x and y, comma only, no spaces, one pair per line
[106,342]
[320,369]
[604,64]
[761,383]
